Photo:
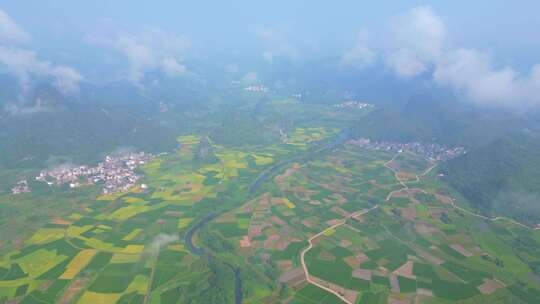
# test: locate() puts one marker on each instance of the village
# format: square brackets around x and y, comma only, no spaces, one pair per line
[256,88]
[352,104]
[432,152]
[116,173]
[21,187]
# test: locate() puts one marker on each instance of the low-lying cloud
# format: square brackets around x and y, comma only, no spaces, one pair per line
[15,109]
[275,45]
[360,55]
[26,65]
[161,240]
[418,38]
[418,44]
[10,31]
[148,50]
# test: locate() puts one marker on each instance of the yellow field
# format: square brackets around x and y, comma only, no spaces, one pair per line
[104,246]
[78,263]
[212,167]
[130,236]
[188,139]
[262,160]
[232,160]
[188,188]
[15,283]
[152,167]
[130,200]
[184,179]
[288,203]
[127,212]
[329,232]
[109,197]
[341,169]
[136,189]
[188,195]
[98,244]
[46,235]
[125,258]
[133,249]
[184,222]
[75,216]
[177,247]
[303,136]
[99,298]
[5,263]
[74,231]
[139,285]
[101,217]
[40,261]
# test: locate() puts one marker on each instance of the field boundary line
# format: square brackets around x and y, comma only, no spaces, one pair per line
[310,246]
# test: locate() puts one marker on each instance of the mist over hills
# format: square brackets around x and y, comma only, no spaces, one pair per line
[500,177]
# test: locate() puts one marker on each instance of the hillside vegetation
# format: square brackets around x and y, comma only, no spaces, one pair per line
[500,177]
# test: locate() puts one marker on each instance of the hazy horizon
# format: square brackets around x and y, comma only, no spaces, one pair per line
[484,55]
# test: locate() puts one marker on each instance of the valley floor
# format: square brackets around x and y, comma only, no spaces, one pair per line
[326,224]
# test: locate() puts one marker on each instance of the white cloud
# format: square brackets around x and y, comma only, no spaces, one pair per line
[418,45]
[406,63]
[149,50]
[172,68]
[66,79]
[25,64]
[275,45]
[16,109]
[420,30]
[10,32]
[418,38]
[360,56]
[161,240]
[472,73]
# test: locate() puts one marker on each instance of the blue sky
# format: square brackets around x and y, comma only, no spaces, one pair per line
[469,46]
[511,29]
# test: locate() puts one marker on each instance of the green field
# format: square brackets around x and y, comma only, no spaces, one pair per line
[84,247]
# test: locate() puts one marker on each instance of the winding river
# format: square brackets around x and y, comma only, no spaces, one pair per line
[188,238]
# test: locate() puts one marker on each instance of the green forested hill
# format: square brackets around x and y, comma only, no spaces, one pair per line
[501,177]
[445,121]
